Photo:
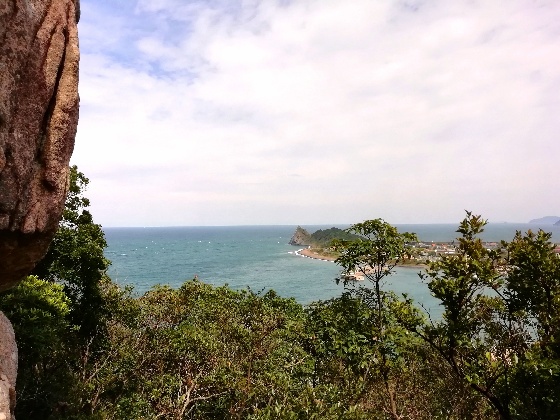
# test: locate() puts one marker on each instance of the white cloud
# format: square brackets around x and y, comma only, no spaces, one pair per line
[319,111]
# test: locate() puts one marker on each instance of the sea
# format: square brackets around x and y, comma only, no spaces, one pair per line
[260,258]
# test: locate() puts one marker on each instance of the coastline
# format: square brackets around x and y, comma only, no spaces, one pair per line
[310,253]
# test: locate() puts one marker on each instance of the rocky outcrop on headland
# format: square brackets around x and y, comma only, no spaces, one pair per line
[39,101]
[301,237]
[319,238]
[38,118]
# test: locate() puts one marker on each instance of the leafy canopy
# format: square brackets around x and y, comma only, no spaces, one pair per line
[75,259]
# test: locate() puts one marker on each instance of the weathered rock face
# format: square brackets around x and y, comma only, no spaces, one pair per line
[301,237]
[38,118]
[8,368]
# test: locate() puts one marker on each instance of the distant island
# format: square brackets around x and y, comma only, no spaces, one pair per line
[547,220]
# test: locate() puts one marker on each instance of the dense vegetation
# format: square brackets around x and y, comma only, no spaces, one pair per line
[322,238]
[89,350]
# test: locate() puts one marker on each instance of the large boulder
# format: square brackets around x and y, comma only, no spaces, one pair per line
[38,118]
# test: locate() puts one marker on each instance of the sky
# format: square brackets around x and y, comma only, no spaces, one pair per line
[247,112]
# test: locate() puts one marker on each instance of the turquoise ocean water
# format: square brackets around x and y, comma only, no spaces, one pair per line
[258,257]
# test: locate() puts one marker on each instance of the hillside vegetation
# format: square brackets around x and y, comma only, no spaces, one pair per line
[320,238]
[90,350]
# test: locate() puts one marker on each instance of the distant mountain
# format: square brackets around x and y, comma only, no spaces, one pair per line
[557,223]
[547,220]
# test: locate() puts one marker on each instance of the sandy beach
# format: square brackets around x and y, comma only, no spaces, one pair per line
[309,253]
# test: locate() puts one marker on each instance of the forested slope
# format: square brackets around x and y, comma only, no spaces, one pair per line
[90,350]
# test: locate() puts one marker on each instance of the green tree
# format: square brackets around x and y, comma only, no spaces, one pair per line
[471,321]
[379,247]
[75,259]
[60,313]
[499,329]
[39,310]
[202,352]
[532,293]
[533,286]
[343,341]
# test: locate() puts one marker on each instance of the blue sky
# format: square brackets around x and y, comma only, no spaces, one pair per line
[318,111]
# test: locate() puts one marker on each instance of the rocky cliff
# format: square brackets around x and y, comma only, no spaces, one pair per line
[301,237]
[38,118]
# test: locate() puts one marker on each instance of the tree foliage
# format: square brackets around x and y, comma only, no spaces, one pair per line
[323,237]
[39,311]
[211,353]
[379,247]
[75,259]
[91,350]
[499,327]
